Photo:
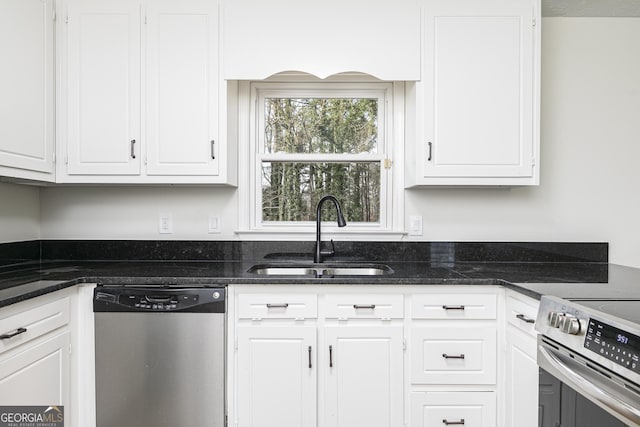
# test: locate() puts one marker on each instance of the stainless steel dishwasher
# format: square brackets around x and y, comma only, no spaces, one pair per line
[160,356]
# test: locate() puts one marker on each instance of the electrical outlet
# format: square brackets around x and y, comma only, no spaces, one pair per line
[214,224]
[165,225]
[415,225]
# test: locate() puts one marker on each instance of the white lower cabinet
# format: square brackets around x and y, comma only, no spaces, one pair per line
[38,375]
[35,337]
[455,354]
[521,386]
[298,365]
[277,382]
[379,356]
[363,376]
[468,409]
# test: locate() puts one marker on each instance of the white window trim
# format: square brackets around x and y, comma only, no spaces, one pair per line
[391,226]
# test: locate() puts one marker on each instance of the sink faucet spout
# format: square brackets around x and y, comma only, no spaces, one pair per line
[341,223]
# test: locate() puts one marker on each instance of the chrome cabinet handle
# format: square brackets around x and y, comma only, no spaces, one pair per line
[133,153]
[448,356]
[525,318]
[13,334]
[285,305]
[453,423]
[310,365]
[213,149]
[370,306]
[453,307]
[331,356]
[430,151]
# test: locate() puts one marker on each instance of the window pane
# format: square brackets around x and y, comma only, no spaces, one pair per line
[320,125]
[291,191]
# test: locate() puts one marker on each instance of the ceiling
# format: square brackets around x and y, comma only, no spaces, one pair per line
[593,8]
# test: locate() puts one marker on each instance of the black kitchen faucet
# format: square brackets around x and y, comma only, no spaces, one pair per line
[341,223]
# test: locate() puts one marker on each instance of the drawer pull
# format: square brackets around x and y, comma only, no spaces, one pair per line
[285,305]
[453,423]
[13,334]
[448,356]
[525,318]
[370,306]
[310,365]
[453,307]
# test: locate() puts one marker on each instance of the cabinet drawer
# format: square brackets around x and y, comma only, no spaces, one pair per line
[35,322]
[522,314]
[471,409]
[277,306]
[364,306]
[449,355]
[454,306]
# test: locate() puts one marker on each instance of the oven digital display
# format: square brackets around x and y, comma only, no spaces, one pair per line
[614,344]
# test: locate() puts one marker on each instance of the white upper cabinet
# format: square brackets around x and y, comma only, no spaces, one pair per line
[103,87]
[477,103]
[27,88]
[142,97]
[182,87]
[376,37]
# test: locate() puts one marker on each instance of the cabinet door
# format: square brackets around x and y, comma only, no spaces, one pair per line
[26,84]
[37,375]
[522,379]
[478,89]
[103,87]
[276,376]
[182,87]
[363,376]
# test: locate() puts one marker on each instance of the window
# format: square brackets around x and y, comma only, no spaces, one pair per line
[308,140]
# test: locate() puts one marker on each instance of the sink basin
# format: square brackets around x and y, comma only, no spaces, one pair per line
[321,270]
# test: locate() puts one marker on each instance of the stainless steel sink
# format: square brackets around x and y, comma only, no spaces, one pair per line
[321,270]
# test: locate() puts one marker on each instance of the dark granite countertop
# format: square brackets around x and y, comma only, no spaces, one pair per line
[564,270]
[585,280]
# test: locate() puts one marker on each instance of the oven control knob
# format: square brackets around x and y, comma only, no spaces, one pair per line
[570,325]
[553,319]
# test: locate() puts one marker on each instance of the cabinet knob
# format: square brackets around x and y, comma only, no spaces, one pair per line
[133,153]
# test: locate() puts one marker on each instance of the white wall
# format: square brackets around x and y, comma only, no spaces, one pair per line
[132,212]
[19,213]
[590,181]
[590,143]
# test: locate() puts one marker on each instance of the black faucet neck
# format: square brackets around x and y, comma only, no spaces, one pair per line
[341,223]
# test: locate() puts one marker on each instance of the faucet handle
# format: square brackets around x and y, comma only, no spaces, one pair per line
[331,252]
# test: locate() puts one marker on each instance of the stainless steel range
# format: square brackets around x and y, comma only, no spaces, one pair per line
[589,355]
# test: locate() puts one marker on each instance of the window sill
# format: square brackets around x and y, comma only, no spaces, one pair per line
[288,234]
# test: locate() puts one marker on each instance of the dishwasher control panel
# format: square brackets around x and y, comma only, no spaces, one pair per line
[158,299]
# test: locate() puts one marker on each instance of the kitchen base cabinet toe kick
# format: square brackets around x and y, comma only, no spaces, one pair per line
[375,356]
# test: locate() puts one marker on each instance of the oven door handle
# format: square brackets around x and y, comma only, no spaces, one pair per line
[623,409]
